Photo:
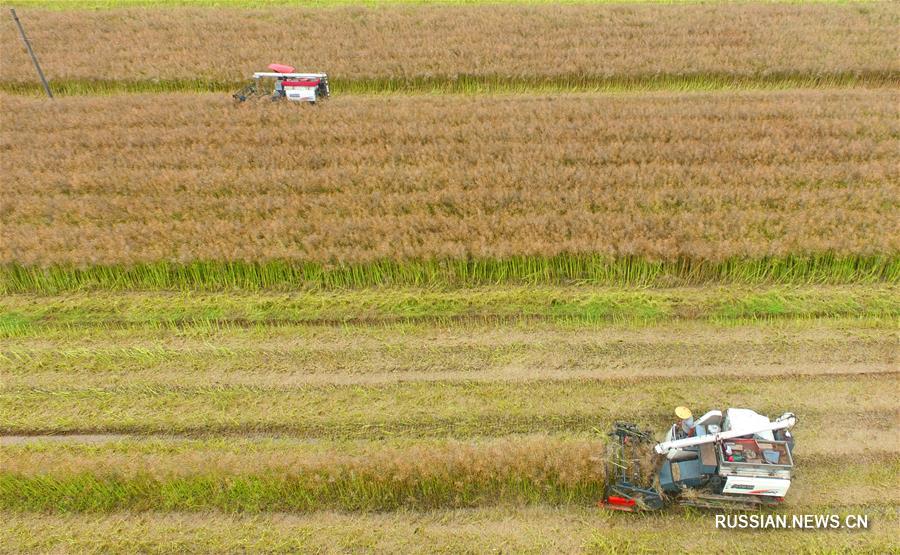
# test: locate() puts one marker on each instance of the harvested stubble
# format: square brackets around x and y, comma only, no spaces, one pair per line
[141,179]
[427,409]
[396,46]
[383,336]
[527,530]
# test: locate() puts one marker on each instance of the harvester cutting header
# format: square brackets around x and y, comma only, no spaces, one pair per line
[739,460]
[286,85]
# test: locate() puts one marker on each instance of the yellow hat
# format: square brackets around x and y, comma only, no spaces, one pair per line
[683,412]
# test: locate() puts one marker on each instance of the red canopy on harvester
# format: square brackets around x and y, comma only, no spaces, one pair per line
[281,68]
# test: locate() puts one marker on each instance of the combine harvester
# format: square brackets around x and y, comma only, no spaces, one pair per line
[286,85]
[739,461]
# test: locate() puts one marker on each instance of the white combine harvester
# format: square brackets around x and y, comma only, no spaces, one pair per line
[740,460]
[286,84]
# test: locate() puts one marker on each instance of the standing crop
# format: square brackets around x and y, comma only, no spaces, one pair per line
[184,178]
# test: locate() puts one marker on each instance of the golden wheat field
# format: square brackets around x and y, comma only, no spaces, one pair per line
[409,42]
[182,177]
[404,319]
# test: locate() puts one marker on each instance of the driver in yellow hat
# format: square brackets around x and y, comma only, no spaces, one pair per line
[685,421]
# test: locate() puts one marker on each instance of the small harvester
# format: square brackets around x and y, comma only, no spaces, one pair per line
[737,461]
[286,84]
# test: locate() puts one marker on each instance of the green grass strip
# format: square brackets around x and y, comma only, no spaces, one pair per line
[27,315]
[563,269]
[488,84]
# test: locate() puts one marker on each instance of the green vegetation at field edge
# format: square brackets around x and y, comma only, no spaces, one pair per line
[528,270]
[489,84]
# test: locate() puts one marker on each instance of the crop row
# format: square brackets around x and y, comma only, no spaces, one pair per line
[531,270]
[486,84]
[167,475]
[448,42]
[536,469]
[181,178]
[376,488]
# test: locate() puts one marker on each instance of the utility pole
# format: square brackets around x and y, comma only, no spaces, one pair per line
[34,59]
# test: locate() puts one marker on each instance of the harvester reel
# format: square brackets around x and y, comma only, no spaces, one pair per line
[625,483]
[248,91]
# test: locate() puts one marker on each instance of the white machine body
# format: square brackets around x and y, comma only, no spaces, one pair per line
[735,453]
[736,425]
[298,87]
[300,91]
[748,485]
[288,85]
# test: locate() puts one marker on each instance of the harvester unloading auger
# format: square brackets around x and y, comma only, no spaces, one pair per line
[739,461]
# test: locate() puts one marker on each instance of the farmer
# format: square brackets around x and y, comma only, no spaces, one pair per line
[685,421]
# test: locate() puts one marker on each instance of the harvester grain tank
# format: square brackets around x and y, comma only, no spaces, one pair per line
[738,460]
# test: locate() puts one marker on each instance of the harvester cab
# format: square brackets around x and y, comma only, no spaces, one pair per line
[281,82]
[740,460]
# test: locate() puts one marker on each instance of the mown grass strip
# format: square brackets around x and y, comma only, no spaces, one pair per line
[575,529]
[27,315]
[528,270]
[158,368]
[490,84]
[426,409]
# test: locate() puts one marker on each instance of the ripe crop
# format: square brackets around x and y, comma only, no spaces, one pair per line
[405,323]
[434,475]
[181,178]
[430,475]
[392,47]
